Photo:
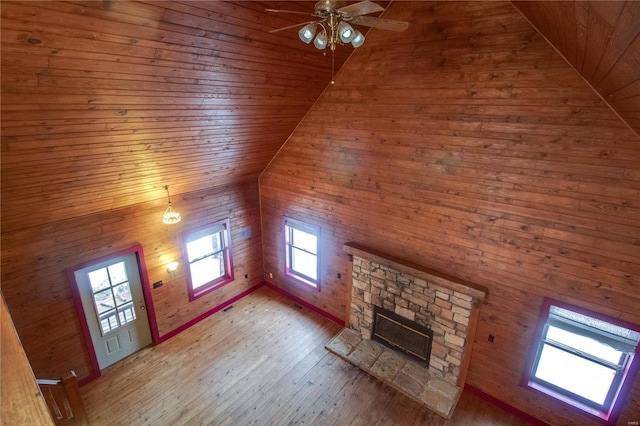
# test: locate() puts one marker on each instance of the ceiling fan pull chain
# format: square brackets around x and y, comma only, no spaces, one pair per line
[333,65]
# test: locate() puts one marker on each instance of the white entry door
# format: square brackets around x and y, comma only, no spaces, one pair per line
[113,302]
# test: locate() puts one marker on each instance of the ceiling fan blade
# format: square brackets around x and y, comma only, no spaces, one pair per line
[385,24]
[361,8]
[290,26]
[295,12]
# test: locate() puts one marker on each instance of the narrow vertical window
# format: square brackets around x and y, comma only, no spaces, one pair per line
[301,247]
[583,359]
[208,252]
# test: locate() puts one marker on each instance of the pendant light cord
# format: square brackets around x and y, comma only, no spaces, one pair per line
[166,187]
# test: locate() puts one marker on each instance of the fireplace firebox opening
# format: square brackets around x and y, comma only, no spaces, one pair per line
[402,334]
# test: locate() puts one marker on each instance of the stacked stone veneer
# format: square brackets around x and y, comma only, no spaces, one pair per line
[418,296]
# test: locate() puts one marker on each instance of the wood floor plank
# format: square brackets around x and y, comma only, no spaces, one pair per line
[311,393]
[265,399]
[262,362]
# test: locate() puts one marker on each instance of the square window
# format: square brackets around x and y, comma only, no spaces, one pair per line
[583,359]
[301,247]
[208,252]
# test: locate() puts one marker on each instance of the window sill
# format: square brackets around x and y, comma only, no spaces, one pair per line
[208,288]
[601,415]
[299,279]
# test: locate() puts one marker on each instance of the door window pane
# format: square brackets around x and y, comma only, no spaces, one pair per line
[117,273]
[108,322]
[123,293]
[126,313]
[104,301]
[99,279]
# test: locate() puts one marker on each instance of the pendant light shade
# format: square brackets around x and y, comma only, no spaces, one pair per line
[321,40]
[307,32]
[170,216]
[358,39]
[346,32]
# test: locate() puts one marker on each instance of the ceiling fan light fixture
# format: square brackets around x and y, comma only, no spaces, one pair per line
[307,32]
[333,23]
[358,39]
[346,32]
[321,40]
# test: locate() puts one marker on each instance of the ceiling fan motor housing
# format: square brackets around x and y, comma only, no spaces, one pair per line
[325,8]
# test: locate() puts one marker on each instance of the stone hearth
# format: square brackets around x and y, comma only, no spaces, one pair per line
[448,306]
[396,370]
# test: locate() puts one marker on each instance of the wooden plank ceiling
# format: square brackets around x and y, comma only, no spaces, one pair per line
[104,103]
[601,40]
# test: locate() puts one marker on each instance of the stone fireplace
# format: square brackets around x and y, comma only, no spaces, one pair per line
[448,307]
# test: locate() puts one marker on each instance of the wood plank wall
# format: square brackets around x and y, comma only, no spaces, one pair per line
[104,103]
[21,401]
[468,145]
[34,263]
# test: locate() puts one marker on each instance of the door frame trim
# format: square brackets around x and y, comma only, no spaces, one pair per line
[148,300]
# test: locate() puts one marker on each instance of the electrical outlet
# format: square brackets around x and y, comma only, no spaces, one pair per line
[270,274]
[491,338]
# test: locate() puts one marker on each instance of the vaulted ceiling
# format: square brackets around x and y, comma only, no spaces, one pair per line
[601,40]
[104,103]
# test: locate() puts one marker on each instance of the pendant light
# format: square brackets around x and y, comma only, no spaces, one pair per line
[170,216]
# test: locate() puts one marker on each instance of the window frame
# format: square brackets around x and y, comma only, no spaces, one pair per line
[606,413]
[289,225]
[228,275]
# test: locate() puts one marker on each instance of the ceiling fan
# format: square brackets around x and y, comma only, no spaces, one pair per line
[333,18]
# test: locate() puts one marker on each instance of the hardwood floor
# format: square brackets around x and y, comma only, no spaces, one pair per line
[261,362]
